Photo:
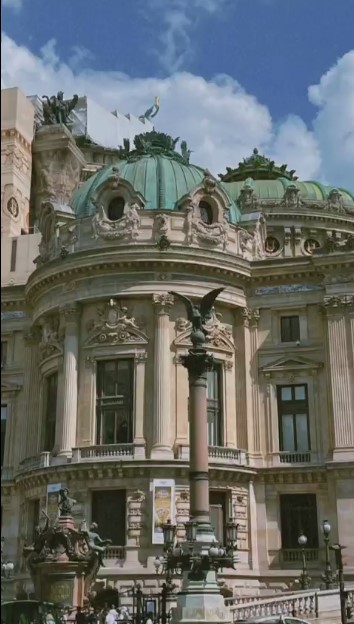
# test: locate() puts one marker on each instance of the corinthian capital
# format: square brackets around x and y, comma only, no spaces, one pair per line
[250,317]
[162,302]
[338,304]
[70,312]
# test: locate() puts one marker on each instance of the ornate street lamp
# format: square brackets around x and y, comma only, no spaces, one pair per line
[304,578]
[327,577]
[200,557]
[343,596]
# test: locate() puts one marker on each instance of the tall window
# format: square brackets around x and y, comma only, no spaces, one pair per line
[3,353]
[3,431]
[116,208]
[206,212]
[34,513]
[294,431]
[51,389]
[13,255]
[298,513]
[215,407]
[109,512]
[217,506]
[114,405]
[290,328]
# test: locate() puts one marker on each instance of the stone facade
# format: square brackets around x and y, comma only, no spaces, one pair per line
[89,290]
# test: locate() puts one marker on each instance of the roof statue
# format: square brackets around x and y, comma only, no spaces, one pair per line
[56,110]
[151,143]
[199,314]
[258,167]
[152,111]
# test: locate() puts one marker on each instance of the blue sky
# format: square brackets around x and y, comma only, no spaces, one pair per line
[261,56]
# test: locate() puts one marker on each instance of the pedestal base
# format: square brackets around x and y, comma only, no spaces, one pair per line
[201,601]
[60,582]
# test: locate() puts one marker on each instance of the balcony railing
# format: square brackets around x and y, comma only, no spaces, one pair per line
[218,455]
[293,457]
[114,555]
[103,452]
[294,555]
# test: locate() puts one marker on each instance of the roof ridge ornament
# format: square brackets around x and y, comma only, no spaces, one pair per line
[258,167]
[153,143]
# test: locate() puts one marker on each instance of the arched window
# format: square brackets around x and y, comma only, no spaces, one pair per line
[206,212]
[116,208]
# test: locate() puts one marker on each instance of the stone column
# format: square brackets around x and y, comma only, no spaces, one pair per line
[162,439]
[250,323]
[31,392]
[68,422]
[139,439]
[341,377]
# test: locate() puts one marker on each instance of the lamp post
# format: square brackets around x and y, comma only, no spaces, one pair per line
[200,557]
[304,578]
[337,548]
[327,577]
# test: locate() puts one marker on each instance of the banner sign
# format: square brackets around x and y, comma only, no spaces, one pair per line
[163,499]
[52,499]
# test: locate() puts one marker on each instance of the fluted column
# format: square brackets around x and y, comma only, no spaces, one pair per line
[250,323]
[31,388]
[162,429]
[67,425]
[341,374]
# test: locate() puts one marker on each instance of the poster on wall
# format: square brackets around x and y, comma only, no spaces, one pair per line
[163,496]
[52,499]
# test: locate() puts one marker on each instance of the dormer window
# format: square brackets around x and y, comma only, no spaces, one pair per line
[206,212]
[116,208]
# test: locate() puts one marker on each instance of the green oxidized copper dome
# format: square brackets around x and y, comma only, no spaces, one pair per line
[155,170]
[270,181]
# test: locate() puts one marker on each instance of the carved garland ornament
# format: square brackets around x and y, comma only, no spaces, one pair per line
[126,227]
[114,326]
[196,229]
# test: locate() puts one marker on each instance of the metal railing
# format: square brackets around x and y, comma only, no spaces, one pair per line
[290,555]
[294,457]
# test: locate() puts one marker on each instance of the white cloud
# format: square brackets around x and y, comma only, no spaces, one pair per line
[177,19]
[221,122]
[16,5]
[334,123]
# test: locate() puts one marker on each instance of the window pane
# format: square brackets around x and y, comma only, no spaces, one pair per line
[300,394]
[50,412]
[290,328]
[298,513]
[108,427]
[4,412]
[286,393]
[302,437]
[109,511]
[288,438]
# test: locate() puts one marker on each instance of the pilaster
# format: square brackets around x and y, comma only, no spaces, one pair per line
[339,336]
[162,426]
[31,393]
[139,438]
[250,324]
[68,422]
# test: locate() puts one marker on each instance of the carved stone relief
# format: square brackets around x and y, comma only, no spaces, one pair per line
[114,326]
[125,228]
[198,231]
[217,333]
[136,514]
[50,342]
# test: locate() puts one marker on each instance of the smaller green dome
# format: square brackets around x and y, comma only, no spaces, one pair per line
[155,170]
[270,181]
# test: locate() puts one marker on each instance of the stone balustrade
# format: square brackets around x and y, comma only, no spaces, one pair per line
[218,455]
[114,555]
[104,452]
[311,604]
